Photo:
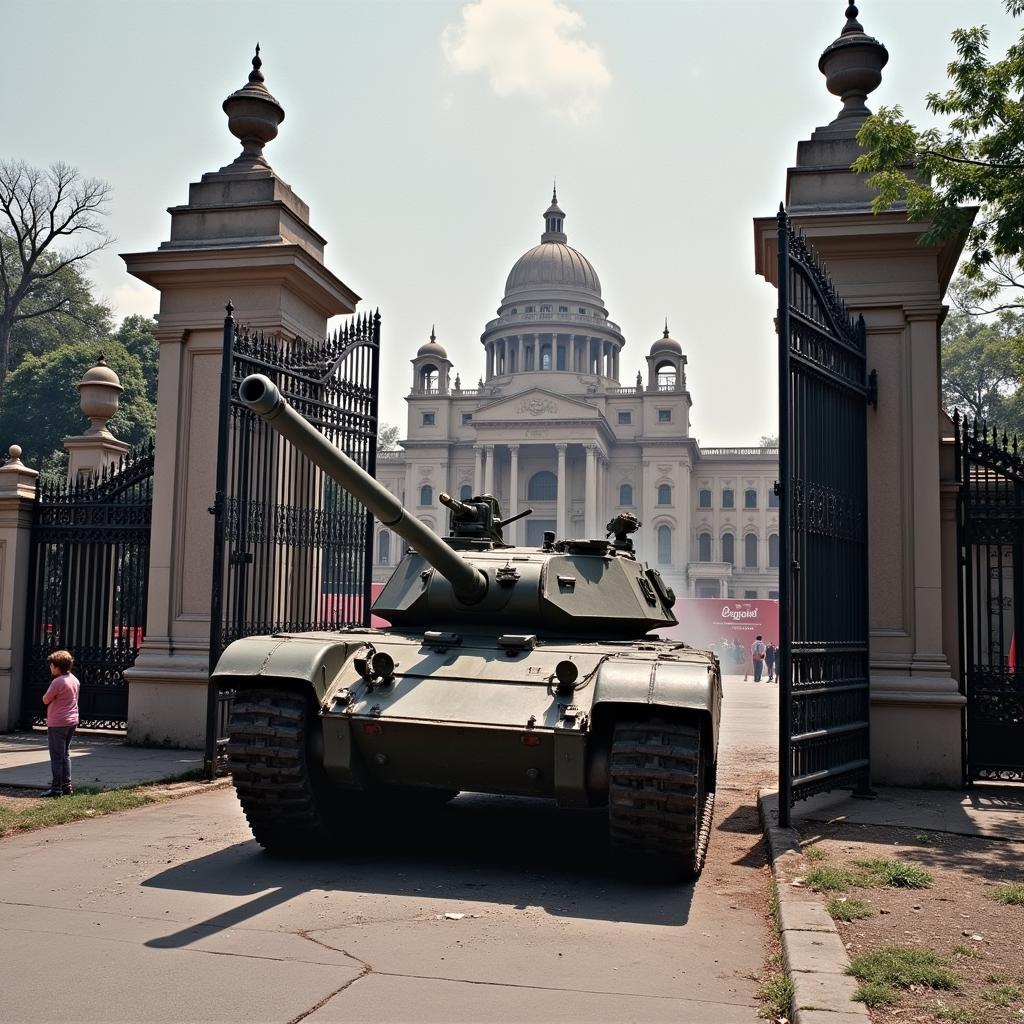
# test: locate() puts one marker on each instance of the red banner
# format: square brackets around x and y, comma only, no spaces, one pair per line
[714,624]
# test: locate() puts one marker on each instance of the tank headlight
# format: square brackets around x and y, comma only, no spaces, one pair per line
[566,672]
[383,665]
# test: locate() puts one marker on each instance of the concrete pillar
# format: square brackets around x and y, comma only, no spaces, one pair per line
[489,469]
[590,493]
[17,500]
[562,518]
[244,235]
[478,470]
[513,493]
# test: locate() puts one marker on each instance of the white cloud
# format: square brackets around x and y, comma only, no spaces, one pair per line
[530,48]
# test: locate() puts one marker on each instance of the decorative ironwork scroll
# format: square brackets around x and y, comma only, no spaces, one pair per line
[990,535]
[88,581]
[293,552]
[822,663]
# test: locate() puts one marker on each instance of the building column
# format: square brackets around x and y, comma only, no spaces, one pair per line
[489,469]
[562,522]
[478,470]
[647,548]
[513,493]
[590,492]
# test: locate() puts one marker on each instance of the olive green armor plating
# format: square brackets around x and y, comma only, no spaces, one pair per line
[513,670]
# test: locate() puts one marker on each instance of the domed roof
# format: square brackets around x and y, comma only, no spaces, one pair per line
[553,263]
[666,343]
[102,374]
[432,348]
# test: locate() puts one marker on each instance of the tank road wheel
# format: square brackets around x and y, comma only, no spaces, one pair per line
[276,771]
[659,808]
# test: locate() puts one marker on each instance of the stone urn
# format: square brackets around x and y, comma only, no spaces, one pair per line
[99,393]
[253,117]
[852,66]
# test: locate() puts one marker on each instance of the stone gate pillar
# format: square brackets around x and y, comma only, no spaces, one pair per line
[243,235]
[883,272]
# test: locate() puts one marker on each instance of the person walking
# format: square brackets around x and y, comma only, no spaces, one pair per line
[757,653]
[769,660]
[61,700]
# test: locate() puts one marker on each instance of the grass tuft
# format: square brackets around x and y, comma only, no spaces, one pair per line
[955,1014]
[848,909]
[1002,995]
[1012,895]
[831,879]
[875,993]
[896,874]
[85,803]
[814,853]
[962,949]
[902,966]
[776,996]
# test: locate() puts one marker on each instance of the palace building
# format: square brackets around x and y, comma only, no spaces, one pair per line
[550,426]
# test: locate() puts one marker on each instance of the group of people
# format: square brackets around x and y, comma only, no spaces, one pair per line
[754,660]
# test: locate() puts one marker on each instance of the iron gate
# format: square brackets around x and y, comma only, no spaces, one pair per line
[990,542]
[822,662]
[88,579]
[292,550]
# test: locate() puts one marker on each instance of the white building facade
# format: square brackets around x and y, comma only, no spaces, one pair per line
[550,427]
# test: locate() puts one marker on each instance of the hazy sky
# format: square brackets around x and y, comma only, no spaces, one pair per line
[424,135]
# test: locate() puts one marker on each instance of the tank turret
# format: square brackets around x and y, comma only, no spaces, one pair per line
[567,588]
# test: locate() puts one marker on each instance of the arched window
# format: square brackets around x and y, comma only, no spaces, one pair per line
[664,494]
[545,357]
[728,500]
[729,548]
[704,547]
[429,378]
[426,495]
[666,376]
[664,545]
[384,548]
[626,494]
[750,551]
[750,498]
[773,551]
[543,486]
[465,493]
[704,499]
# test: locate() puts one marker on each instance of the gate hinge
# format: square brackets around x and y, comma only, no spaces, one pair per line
[872,395]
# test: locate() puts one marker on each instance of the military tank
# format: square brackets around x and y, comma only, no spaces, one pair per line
[507,670]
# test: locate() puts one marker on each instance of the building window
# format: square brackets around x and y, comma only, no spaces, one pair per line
[729,548]
[583,309]
[664,415]
[467,417]
[561,357]
[625,494]
[545,357]
[430,378]
[426,495]
[625,418]
[773,498]
[545,309]
[728,498]
[704,547]
[750,551]
[543,486]
[563,309]
[384,548]
[750,595]
[428,419]
[664,545]
[664,494]
[704,499]
[773,551]
[773,595]
[514,309]
[529,309]
[750,498]
[465,493]
[665,375]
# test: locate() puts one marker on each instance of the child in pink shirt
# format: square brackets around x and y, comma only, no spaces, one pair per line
[61,700]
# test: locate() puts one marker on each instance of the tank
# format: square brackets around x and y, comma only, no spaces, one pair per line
[525,671]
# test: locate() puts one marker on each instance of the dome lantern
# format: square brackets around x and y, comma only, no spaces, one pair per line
[554,219]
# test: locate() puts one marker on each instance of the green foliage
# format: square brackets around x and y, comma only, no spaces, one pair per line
[813,853]
[962,949]
[1002,995]
[84,804]
[387,437]
[897,874]
[776,996]
[875,993]
[138,335]
[901,967]
[977,159]
[1012,895]
[955,1014]
[40,403]
[832,879]
[848,909]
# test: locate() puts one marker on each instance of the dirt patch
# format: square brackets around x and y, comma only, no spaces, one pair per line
[957,916]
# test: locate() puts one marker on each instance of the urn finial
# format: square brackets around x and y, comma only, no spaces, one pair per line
[99,393]
[852,66]
[253,117]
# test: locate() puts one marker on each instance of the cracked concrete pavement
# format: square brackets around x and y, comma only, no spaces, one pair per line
[172,913]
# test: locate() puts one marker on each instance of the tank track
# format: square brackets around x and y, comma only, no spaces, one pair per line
[273,773]
[658,806]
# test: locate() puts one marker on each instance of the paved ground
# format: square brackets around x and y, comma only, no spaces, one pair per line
[172,913]
[97,759]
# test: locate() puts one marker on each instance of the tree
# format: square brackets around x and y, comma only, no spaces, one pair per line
[40,405]
[387,437]
[50,222]
[769,441]
[138,335]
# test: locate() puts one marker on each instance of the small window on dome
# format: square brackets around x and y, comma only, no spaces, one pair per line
[529,309]
[514,310]
[545,309]
[563,309]
[582,309]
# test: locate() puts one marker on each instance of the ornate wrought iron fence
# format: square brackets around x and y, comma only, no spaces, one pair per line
[822,662]
[292,550]
[990,541]
[88,580]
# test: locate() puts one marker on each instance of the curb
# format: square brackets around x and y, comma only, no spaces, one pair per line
[815,956]
[198,787]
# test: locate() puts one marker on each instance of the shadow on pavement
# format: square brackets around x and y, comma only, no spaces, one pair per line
[480,849]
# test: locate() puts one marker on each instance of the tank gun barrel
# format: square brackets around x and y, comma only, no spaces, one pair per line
[461,507]
[262,396]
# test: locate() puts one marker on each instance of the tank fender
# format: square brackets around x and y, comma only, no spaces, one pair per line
[313,661]
[662,683]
